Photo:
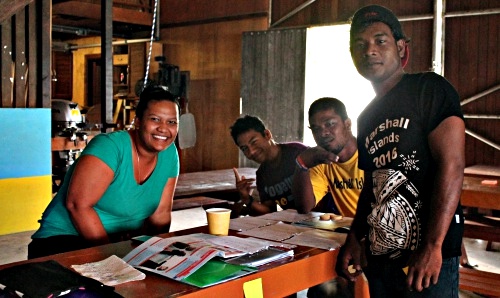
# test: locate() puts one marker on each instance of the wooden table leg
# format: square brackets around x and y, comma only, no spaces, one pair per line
[464,260]
[119,103]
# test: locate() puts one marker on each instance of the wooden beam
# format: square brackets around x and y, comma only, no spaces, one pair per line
[6,64]
[169,24]
[44,43]
[21,65]
[10,8]
[32,55]
[177,13]
[106,13]
[93,11]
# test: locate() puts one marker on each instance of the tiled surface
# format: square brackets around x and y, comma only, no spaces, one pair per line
[13,247]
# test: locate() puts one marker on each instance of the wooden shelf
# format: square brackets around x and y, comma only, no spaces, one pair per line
[64,143]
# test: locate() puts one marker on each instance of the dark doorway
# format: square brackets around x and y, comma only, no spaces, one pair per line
[93,82]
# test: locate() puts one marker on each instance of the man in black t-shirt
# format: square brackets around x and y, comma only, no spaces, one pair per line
[411,146]
[274,175]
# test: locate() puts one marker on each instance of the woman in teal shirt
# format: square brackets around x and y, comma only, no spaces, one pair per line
[122,184]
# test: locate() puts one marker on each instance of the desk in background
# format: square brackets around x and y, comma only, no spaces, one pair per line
[480,226]
[196,202]
[482,171]
[476,194]
[479,195]
[218,184]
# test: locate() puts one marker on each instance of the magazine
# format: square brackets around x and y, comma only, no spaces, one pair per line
[180,257]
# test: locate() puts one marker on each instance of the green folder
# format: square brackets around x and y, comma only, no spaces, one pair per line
[216,271]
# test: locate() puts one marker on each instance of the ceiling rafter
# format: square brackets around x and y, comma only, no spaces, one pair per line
[10,8]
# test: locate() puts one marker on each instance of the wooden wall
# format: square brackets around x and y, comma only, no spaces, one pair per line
[205,36]
[25,75]
[194,42]
[472,65]
[205,39]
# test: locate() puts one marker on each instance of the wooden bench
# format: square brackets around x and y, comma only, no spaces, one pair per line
[482,227]
[194,202]
[481,202]
[480,282]
[485,171]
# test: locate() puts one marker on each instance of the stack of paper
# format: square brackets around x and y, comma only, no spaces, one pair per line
[262,257]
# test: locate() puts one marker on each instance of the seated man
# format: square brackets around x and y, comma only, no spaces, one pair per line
[329,168]
[332,166]
[274,175]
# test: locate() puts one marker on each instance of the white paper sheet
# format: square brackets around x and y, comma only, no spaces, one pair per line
[276,232]
[289,215]
[249,222]
[111,271]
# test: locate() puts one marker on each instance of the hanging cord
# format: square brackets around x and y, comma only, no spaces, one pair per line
[149,55]
[150,45]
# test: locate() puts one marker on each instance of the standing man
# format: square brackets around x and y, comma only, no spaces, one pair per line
[332,166]
[274,175]
[411,146]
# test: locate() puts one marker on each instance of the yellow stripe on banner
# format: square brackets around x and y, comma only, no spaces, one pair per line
[23,200]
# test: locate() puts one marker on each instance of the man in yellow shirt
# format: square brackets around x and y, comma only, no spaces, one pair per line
[331,166]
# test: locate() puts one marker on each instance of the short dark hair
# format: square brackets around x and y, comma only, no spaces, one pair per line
[150,93]
[370,14]
[327,103]
[246,123]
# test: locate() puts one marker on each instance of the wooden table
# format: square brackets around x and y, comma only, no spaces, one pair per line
[216,184]
[195,202]
[476,194]
[482,171]
[478,226]
[310,266]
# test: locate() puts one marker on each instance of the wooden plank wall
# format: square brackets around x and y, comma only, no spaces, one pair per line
[473,66]
[471,53]
[23,73]
[205,38]
[471,62]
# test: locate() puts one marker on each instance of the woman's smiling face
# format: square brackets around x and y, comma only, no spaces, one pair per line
[159,125]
